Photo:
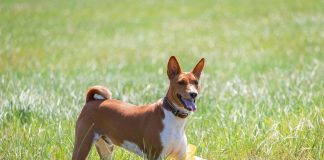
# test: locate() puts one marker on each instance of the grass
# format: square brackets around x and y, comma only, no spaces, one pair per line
[263,84]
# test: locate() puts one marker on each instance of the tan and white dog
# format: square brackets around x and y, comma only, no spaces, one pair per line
[153,131]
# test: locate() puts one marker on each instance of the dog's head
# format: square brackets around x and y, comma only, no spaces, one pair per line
[184,86]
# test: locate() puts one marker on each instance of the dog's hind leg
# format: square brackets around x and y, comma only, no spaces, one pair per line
[84,136]
[104,148]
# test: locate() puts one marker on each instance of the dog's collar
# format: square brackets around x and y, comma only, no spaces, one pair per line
[167,105]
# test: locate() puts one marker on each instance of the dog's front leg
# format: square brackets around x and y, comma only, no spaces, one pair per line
[182,154]
[104,149]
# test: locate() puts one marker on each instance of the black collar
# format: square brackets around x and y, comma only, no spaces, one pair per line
[167,105]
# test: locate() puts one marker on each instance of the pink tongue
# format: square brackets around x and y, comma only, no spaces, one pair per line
[189,104]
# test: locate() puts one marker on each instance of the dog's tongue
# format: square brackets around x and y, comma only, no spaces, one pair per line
[190,104]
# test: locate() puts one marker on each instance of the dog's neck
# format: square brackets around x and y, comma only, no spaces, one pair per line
[174,109]
[174,116]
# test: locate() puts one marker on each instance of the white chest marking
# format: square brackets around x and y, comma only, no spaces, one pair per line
[130,146]
[173,137]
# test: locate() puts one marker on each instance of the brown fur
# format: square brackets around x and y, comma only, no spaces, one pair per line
[116,121]
[97,90]
[189,78]
[109,117]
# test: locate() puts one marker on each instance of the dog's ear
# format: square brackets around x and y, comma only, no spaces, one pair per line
[199,67]
[173,67]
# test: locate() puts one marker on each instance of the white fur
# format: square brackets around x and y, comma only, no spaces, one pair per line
[96,136]
[130,146]
[192,88]
[173,137]
[98,96]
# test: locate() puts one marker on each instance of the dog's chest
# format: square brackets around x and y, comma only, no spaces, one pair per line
[173,138]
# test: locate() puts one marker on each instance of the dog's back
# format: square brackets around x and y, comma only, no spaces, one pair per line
[135,128]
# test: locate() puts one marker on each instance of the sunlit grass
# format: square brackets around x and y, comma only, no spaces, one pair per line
[262,88]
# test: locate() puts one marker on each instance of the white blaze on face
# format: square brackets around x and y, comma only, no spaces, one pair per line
[192,88]
[190,103]
[130,146]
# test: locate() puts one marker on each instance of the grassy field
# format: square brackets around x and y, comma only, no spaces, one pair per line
[263,85]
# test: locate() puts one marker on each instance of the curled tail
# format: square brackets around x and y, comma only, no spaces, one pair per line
[98,93]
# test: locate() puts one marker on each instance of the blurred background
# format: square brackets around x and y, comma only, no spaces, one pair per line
[262,87]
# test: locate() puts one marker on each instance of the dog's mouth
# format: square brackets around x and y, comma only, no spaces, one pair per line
[188,104]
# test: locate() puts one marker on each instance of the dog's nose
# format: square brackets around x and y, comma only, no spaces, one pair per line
[193,94]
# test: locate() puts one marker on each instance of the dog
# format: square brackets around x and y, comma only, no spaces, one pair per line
[153,131]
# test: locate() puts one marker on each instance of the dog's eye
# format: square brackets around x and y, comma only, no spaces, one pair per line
[182,82]
[195,82]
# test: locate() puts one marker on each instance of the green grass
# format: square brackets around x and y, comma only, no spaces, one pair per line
[262,88]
